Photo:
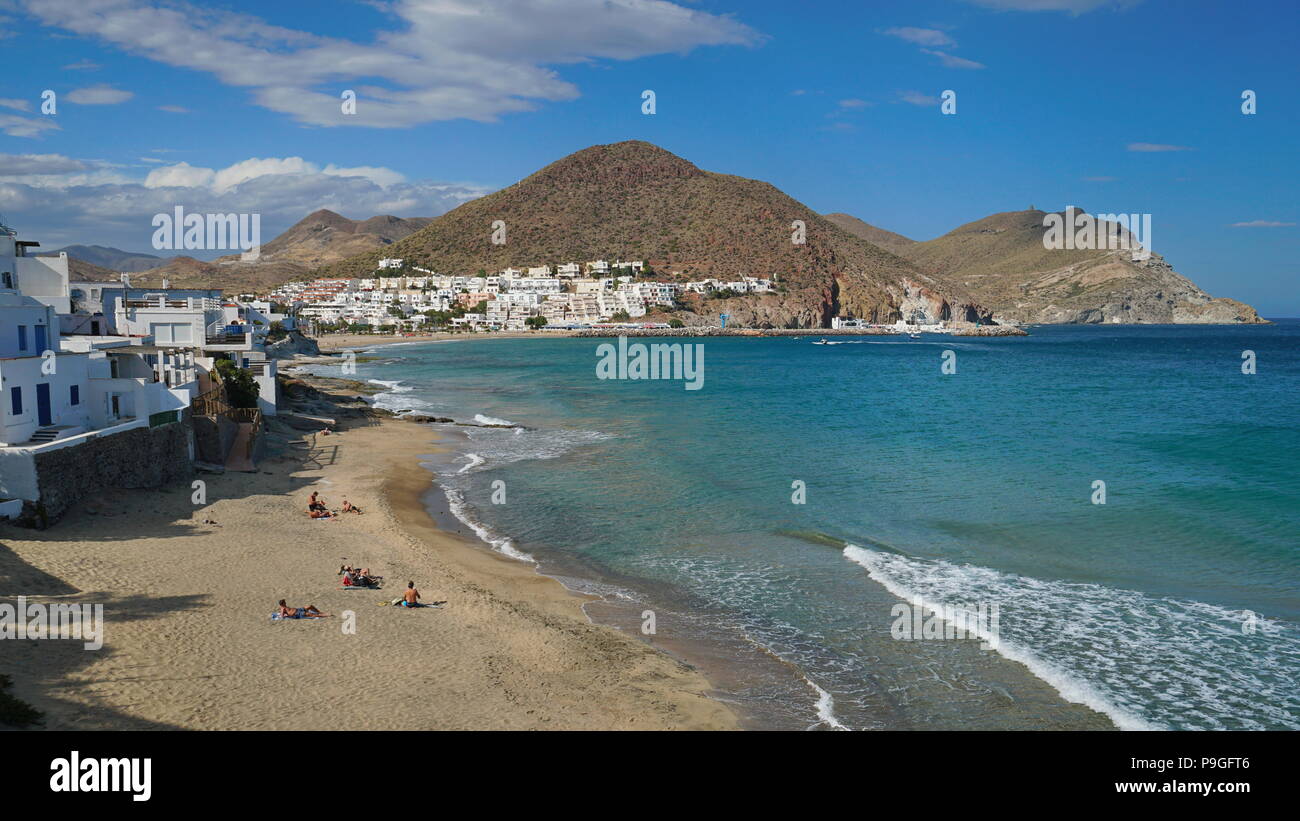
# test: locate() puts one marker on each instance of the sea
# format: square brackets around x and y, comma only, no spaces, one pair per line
[817,527]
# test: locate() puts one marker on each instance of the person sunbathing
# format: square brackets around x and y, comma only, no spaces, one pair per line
[320,514]
[348,507]
[308,612]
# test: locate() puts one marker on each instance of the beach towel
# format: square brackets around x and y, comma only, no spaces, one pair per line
[277,617]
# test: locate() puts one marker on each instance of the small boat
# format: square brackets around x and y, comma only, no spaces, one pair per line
[913,335]
[822,341]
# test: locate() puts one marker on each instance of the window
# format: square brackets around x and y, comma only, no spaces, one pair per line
[22,337]
[16,401]
[75,392]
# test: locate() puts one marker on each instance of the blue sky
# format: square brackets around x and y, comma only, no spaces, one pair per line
[1113,107]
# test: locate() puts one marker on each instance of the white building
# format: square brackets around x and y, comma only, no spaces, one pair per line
[66,392]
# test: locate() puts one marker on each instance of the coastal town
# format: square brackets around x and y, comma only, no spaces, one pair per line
[404,297]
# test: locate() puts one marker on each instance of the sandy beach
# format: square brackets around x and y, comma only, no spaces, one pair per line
[189,642]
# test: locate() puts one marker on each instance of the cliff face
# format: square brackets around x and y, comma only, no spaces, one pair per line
[1115,288]
[1001,261]
[635,201]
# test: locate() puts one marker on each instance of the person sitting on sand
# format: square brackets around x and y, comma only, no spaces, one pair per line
[411,598]
[315,503]
[348,507]
[322,513]
[308,612]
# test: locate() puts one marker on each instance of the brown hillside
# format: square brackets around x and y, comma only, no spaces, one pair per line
[635,201]
[894,243]
[318,239]
[1001,261]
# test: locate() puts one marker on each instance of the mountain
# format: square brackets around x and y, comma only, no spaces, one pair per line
[894,243]
[318,239]
[114,259]
[636,201]
[1001,261]
[324,237]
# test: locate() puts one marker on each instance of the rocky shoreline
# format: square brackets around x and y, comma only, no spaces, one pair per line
[710,330]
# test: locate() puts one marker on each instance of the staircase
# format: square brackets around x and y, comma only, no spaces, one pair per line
[53,433]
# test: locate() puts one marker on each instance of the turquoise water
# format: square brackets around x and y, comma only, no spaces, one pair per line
[973,488]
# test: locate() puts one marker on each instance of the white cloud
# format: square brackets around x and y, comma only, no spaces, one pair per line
[174,109]
[26,165]
[1263,224]
[380,176]
[446,59]
[917,98]
[181,175]
[59,200]
[16,126]
[922,37]
[15,104]
[1150,147]
[953,61]
[98,95]
[854,102]
[1073,6]
[82,65]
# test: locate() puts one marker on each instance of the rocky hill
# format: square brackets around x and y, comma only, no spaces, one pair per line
[324,237]
[318,239]
[894,243]
[112,259]
[1001,261]
[636,201]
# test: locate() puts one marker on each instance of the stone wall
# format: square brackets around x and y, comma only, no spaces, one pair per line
[137,458]
[213,436]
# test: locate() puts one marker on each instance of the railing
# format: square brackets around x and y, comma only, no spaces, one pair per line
[253,416]
[212,403]
[187,303]
[227,339]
